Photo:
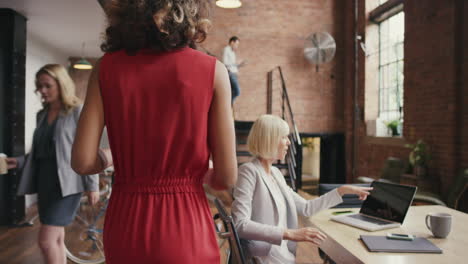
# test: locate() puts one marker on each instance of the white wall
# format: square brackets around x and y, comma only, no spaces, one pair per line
[37,55]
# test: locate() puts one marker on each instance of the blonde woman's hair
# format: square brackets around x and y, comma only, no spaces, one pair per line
[65,84]
[265,136]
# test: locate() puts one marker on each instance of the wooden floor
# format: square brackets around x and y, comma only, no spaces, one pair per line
[19,245]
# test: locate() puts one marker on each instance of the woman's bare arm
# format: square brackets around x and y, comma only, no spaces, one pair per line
[85,157]
[221,135]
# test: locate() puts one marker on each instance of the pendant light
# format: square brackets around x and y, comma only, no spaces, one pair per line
[82,64]
[229,3]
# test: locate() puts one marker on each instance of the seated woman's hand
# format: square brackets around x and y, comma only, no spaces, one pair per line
[308,234]
[362,192]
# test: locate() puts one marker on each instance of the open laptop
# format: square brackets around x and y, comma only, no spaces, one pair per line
[384,208]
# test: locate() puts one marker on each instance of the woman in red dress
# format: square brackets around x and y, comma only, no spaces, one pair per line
[167,109]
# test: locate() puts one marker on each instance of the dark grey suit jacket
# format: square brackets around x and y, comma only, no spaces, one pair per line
[70,182]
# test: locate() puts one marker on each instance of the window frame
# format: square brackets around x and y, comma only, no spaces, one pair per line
[383,12]
[397,87]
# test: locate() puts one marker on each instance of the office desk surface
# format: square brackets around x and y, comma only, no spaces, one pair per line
[343,244]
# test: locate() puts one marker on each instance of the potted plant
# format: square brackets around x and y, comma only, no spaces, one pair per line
[419,157]
[393,127]
[308,142]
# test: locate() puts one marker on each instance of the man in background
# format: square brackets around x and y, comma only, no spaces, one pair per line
[229,59]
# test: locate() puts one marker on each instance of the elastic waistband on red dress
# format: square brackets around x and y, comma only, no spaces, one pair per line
[158,187]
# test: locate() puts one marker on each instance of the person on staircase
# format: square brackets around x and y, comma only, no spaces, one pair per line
[230,60]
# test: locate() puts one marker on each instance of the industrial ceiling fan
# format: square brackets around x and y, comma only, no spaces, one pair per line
[319,48]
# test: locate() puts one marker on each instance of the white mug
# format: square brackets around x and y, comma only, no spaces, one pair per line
[439,224]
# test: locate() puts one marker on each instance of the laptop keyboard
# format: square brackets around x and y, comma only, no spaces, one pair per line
[369,219]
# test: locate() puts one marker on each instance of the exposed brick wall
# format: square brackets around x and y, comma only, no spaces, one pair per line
[463,92]
[272,33]
[430,79]
[430,97]
[462,151]
[349,87]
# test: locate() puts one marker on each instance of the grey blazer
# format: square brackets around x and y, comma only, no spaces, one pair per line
[64,134]
[255,210]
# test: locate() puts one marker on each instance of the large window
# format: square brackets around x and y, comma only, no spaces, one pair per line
[384,78]
[391,39]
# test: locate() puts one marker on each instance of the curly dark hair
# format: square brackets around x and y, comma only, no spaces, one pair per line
[160,25]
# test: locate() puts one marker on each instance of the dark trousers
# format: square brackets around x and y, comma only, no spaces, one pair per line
[235,89]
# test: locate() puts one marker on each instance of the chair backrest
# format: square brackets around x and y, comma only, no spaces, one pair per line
[349,200]
[457,188]
[393,169]
[236,255]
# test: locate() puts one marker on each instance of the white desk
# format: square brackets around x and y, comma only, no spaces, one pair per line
[343,244]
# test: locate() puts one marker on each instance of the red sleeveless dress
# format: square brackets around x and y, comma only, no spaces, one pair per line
[156,111]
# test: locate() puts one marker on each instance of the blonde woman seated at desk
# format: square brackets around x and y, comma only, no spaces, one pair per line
[265,208]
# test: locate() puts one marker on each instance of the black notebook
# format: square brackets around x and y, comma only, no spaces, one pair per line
[383,244]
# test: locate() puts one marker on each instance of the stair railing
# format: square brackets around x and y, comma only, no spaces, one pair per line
[294,156]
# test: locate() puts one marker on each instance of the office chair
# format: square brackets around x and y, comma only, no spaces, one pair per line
[452,197]
[236,254]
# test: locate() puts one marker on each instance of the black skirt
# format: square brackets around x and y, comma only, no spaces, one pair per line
[54,209]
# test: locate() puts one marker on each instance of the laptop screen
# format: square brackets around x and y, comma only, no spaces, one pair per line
[388,201]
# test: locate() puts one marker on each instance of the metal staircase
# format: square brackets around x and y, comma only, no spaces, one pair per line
[292,165]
